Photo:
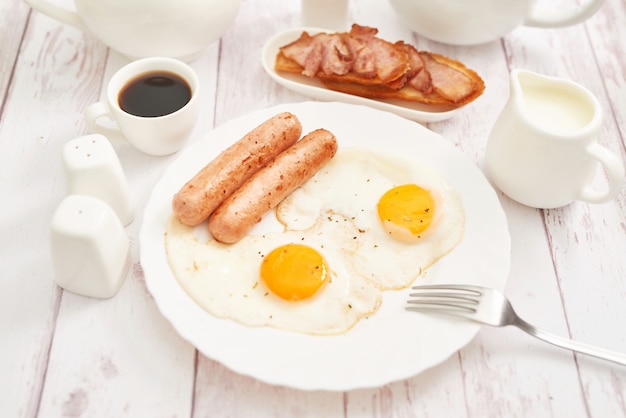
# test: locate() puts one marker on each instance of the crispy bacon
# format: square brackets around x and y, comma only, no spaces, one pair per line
[361,63]
[417,76]
[305,52]
[364,63]
[336,56]
[447,81]
[390,63]
[359,51]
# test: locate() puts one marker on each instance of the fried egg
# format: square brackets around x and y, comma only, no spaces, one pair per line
[367,222]
[246,281]
[407,216]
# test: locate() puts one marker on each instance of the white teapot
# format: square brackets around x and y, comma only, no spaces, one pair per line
[470,22]
[180,29]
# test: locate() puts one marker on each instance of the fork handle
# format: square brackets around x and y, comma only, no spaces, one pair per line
[590,350]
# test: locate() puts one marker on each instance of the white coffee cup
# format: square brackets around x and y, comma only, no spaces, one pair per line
[543,149]
[154,134]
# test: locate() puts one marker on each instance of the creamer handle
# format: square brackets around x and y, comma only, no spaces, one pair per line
[615,175]
[560,18]
[58,13]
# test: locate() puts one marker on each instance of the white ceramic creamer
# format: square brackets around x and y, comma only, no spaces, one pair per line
[543,149]
[469,22]
[180,29]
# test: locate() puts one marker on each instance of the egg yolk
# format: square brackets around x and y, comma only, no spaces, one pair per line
[294,271]
[406,212]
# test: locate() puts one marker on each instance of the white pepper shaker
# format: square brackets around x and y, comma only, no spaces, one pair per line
[89,246]
[93,168]
[325,14]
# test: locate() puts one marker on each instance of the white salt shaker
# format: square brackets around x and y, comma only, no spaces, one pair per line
[89,246]
[92,168]
[325,14]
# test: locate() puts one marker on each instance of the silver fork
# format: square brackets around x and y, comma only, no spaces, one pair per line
[489,306]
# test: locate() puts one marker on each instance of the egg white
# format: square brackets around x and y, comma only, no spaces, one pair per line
[350,185]
[224,278]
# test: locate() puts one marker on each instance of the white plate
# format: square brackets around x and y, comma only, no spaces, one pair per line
[393,344]
[314,89]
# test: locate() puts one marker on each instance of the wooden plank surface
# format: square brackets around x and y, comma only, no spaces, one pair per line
[63,355]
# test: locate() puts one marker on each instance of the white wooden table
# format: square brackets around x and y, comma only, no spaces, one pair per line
[63,355]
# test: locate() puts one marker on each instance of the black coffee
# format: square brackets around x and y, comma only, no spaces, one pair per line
[154,94]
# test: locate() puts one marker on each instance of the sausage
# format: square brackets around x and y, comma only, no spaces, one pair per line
[197,199]
[270,185]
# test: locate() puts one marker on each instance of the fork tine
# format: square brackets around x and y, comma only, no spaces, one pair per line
[459,299]
[436,297]
[446,295]
[417,306]
[438,302]
[451,293]
[470,289]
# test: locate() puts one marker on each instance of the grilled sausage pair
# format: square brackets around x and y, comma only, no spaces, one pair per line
[253,176]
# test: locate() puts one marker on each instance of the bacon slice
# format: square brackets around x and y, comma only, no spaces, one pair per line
[358,62]
[364,63]
[417,76]
[447,81]
[358,51]
[305,52]
[390,62]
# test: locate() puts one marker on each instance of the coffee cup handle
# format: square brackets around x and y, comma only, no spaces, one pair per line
[561,18]
[98,110]
[614,170]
